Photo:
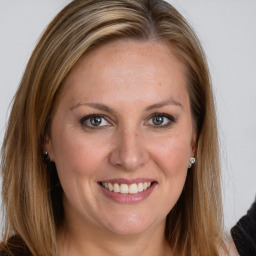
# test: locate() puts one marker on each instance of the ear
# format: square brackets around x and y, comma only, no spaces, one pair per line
[48,147]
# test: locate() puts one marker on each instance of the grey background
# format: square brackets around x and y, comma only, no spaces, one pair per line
[227,29]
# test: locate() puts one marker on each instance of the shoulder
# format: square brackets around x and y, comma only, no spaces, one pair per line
[244,232]
[14,247]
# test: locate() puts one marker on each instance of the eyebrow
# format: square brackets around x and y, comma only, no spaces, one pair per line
[111,110]
[94,105]
[164,103]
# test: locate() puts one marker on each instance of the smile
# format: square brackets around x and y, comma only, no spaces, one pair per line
[128,190]
[133,188]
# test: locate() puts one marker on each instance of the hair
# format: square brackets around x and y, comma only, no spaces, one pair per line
[32,199]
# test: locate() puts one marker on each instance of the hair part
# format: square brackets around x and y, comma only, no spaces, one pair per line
[194,225]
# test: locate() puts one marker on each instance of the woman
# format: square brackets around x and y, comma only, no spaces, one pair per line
[113,110]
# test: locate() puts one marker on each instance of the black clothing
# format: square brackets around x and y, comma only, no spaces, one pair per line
[244,233]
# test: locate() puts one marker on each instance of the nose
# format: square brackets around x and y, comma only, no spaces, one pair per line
[129,152]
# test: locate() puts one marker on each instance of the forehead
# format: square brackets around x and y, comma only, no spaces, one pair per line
[124,64]
[119,50]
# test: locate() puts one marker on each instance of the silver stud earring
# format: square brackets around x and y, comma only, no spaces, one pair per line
[192,160]
[46,157]
[48,162]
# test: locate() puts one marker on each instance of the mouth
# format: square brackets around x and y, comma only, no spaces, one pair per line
[125,188]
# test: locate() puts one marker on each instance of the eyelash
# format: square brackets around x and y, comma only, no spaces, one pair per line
[170,121]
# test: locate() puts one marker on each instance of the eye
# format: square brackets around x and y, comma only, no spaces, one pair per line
[94,121]
[161,120]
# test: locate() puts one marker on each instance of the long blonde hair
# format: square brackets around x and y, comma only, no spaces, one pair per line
[31,197]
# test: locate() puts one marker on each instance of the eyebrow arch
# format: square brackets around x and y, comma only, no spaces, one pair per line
[164,103]
[103,107]
[94,105]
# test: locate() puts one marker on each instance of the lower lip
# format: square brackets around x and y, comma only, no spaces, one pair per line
[128,198]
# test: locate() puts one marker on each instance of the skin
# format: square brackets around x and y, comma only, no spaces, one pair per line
[134,81]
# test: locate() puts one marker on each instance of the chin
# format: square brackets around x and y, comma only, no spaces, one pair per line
[131,225]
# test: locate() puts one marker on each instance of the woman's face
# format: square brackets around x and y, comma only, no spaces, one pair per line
[122,137]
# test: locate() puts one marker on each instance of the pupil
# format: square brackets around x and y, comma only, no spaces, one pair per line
[158,120]
[95,121]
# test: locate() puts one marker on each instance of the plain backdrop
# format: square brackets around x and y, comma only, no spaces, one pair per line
[227,29]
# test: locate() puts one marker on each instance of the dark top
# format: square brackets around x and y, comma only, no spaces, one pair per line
[14,247]
[244,233]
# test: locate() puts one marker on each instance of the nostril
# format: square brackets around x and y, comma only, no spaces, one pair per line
[130,159]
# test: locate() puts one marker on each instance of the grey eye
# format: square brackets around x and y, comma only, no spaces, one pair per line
[95,121]
[158,120]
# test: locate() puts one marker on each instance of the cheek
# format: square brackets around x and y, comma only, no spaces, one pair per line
[172,159]
[173,154]
[76,156]
[77,161]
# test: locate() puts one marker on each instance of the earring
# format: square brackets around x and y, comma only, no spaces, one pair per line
[50,165]
[54,179]
[46,157]
[192,160]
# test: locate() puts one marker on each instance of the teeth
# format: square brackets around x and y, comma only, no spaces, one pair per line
[140,187]
[133,189]
[110,187]
[124,189]
[127,189]
[116,188]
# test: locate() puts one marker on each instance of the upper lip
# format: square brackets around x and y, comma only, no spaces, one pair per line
[127,181]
